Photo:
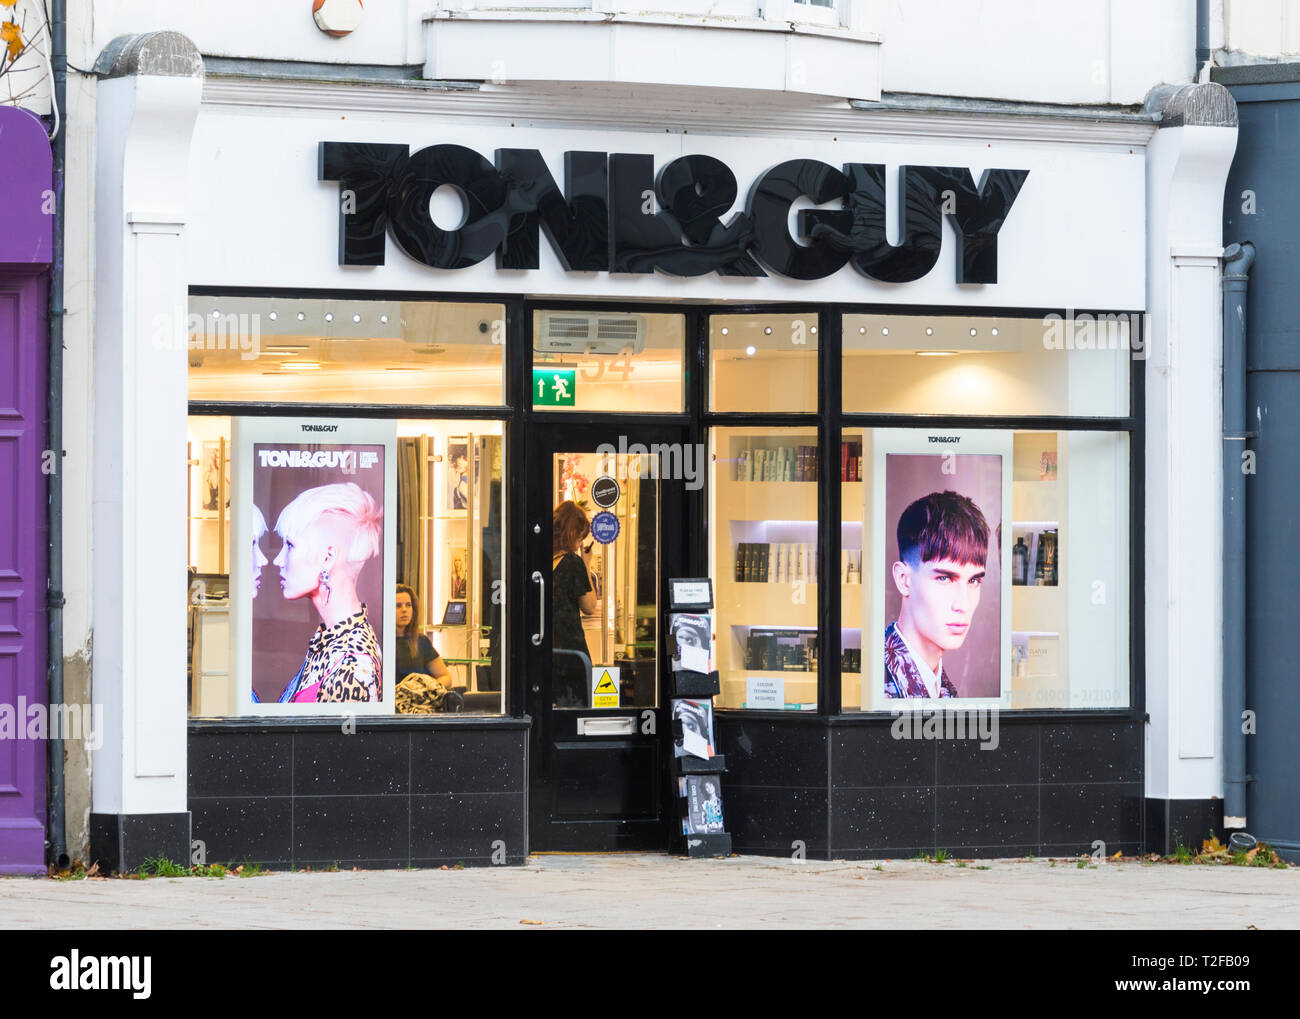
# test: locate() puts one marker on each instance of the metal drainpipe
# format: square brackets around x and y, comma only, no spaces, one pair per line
[1237,260]
[1202,35]
[57,830]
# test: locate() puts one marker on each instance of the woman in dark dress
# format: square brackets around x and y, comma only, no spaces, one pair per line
[422,676]
[572,594]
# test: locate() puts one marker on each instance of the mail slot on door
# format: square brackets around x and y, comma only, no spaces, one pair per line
[607,726]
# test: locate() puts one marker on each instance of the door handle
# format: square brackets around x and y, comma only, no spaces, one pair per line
[541,608]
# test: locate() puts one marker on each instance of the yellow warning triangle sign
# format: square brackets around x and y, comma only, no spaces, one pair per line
[606,685]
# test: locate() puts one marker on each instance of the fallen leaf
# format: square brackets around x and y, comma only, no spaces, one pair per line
[534,923]
[13,37]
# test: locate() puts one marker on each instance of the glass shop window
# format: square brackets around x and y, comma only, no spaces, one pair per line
[991,567]
[321,351]
[345,566]
[763,362]
[914,364]
[609,361]
[763,505]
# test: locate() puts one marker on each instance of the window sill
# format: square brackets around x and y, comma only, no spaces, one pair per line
[364,723]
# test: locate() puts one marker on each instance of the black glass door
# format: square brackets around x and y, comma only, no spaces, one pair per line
[604,533]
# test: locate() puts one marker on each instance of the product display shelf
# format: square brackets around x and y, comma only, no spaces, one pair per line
[689,773]
[697,769]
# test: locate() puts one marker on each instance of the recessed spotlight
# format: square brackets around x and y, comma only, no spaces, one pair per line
[751,351]
[973,331]
[862,330]
[216,313]
[273,316]
[301,316]
[813,330]
[929,331]
[383,319]
[329,316]
[995,332]
[768,330]
[356,318]
[935,353]
[884,331]
[725,330]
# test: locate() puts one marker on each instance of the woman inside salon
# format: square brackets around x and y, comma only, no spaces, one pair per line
[415,652]
[422,676]
[573,594]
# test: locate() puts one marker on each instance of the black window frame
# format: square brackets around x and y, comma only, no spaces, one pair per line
[518,416]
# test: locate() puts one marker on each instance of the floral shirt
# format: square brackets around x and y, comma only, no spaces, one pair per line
[902,677]
[343,663]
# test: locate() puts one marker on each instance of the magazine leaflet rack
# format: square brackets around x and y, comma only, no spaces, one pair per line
[696,781]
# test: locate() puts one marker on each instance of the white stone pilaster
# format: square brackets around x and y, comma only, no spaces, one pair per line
[147,107]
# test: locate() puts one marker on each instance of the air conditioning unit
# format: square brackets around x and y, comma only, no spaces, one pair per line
[589,332]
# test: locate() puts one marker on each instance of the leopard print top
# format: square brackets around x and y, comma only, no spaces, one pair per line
[343,663]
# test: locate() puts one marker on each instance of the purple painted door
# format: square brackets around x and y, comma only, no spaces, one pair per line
[22,570]
[25,245]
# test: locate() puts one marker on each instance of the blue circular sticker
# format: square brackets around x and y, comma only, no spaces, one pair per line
[604,527]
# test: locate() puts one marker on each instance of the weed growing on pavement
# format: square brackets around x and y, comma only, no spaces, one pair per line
[1215,852]
[878,867]
[941,856]
[161,866]
[961,863]
[983,867]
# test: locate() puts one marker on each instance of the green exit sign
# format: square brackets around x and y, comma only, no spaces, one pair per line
[555,387]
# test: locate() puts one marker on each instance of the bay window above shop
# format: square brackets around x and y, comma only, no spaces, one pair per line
[818,47]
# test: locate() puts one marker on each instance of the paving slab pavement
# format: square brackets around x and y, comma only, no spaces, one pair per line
[653,891]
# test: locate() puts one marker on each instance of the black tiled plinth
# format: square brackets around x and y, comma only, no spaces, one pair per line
[306,795]
[1044,787]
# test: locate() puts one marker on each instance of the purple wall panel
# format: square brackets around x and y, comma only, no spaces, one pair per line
[27,212]
[26,243]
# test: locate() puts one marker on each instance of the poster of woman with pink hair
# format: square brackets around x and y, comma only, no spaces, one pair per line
[312,632]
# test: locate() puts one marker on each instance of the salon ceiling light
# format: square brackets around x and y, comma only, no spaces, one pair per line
[300,366]
[751,351]
[936,353]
